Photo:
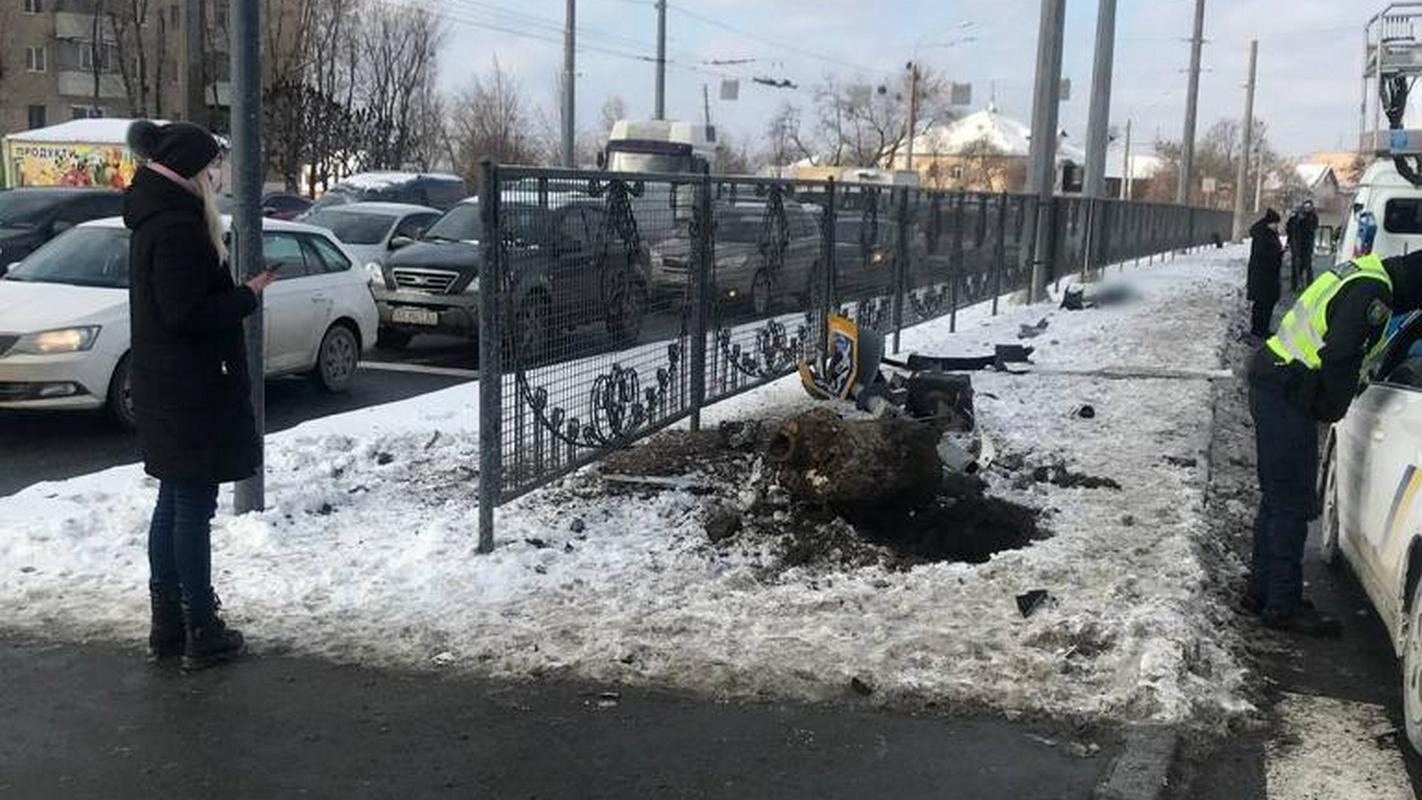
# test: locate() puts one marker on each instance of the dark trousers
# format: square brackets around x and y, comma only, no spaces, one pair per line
[1287,443]
[180,539]
[1262,315]
[1301,271]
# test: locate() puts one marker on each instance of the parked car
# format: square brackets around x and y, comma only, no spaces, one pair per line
[284,205]
[744,270]
[566,272]
[1369,482]
[372,231]
[31,217]
[421,189]
[64,330]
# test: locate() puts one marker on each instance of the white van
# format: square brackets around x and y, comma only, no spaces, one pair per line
[1397,206]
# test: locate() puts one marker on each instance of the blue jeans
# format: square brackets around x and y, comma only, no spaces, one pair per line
[180,539]
[1287,443]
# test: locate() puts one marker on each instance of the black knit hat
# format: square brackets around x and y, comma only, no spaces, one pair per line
[1271,216]
[183,147]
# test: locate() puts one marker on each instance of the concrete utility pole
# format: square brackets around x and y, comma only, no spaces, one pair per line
[706,103]
[659,110]
[1041,176]
[569,78]
[1241,180]
[245,23]
[1258,181]
[913,110]
[194,103]
[1096,133]
[1127,166]
[1192,103]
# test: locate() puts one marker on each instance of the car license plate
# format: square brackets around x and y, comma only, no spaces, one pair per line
[415,316]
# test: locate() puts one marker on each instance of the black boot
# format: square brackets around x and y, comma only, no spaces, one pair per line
[209,641]
[165,633]
[1305,621]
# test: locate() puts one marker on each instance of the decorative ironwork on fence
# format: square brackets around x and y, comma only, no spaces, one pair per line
[614,305]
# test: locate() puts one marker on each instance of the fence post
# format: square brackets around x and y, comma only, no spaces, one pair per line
[955,276]
[703,262]
[900,265]
[999,259]
[491,338]
[831,220]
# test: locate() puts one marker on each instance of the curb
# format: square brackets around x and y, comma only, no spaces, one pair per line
[1142,770]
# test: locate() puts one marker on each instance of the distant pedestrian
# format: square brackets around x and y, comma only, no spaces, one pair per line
[1266,259]
[191,390]
[1301,242]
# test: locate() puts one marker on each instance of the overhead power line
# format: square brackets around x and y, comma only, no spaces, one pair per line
[772,42]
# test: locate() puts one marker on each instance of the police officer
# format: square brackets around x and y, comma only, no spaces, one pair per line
[1306,374]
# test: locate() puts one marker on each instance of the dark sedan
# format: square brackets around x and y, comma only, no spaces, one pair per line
[29,217]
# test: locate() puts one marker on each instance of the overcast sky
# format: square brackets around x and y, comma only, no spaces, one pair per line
[1309,56]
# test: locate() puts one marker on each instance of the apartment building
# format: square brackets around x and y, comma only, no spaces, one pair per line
[69,59]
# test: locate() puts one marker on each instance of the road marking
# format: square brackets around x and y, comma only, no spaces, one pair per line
[420,369]
[1328,749]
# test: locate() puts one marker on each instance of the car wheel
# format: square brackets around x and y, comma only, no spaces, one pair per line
[532,334]
[761,293]
[337,360]
[1412,671]
[626,323]
[120,400]
[1328,545]
[391,339]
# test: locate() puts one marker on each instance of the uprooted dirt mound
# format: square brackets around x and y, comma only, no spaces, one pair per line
[747,508]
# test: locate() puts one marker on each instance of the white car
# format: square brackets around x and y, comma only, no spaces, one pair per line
[1371,486]
[372,231]
[64,326]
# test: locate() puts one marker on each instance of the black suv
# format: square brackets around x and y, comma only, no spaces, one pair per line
[568,270]
[31,217]
[420,189]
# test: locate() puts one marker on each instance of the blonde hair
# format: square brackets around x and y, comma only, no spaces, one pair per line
[209,207]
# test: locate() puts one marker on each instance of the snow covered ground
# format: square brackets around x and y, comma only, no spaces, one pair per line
[367,551]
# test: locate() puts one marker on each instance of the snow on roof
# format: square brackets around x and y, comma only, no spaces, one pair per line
[99,129]
[1143,165]
[1313,174]
[381,180]
[1008,136]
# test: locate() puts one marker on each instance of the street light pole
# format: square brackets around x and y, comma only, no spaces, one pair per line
[245,23]
[1041,178]
[569,77]
[1096,133]
[913,111]
[1240,202]
[1192,104]
[660,108]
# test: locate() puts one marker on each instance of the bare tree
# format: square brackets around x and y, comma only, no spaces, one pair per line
[614,108]
[785,141]
[489,121]
[865,125]
[131,22]
[401,44]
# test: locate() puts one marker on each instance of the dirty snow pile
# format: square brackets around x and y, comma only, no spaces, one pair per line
[367,551]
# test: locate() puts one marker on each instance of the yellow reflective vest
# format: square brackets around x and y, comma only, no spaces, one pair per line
[1301,332]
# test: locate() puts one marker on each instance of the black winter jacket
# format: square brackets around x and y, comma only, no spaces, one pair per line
[191,390]
[1266,258]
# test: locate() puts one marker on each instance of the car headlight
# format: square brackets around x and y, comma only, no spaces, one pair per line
[375,274]
[62,340]
[473,286]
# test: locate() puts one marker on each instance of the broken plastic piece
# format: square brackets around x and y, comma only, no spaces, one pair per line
[1030,601]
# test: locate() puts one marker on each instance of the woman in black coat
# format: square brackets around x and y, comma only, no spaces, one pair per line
[1266,259]
[191,390]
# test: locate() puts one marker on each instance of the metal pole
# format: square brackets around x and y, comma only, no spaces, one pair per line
[491,336]
[1100,100]
[1192,103]
[569,79]
[194,104]
[702,265]
[1042,174]
[913,113]
[244,20]
[1241,180]
[1259,180]
[706,104]
[1127,166]
[660,108]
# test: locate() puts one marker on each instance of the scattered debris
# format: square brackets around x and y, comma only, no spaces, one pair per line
[540,569]
[860,687]
[1058,474]
[1028,602]
[681,484]
[577,525]
[443,658]
[721,522]
[1032,331]
[1086,412]
[856,466]
[537,543]
[382,458]
[1128,520]
[745,436]
[608,699]
[326,509]
[1182,461]
[433,439]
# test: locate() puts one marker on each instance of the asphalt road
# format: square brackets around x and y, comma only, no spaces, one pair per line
[46,447]
[96,721]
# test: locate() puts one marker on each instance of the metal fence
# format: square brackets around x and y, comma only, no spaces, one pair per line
[614,305]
